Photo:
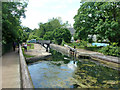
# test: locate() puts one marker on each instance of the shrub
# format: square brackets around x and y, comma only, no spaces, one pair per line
[83,43]
[63,42]
[110,50]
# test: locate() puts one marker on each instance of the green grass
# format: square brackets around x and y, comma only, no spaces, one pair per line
[28,56]
[89,47]
[28,48]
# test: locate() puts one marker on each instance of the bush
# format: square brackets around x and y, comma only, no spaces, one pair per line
[63,42]
[83,43]
[110,50]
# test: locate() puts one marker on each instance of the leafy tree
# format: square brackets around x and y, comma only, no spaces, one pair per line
[50,26]
[26,33]
[99,18]
[31,36]
[11,14]
[48,36]
[61,34]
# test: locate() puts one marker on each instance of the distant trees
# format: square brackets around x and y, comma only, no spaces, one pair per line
[54,29]
[61,34]
[48,27]
[99,18]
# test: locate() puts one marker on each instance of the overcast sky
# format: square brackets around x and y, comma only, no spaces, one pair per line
[42,10]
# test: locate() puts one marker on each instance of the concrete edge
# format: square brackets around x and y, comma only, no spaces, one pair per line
[66,50]
[26,81]
[35,59]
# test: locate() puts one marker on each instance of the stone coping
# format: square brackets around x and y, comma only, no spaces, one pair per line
[82,52]
[25,75]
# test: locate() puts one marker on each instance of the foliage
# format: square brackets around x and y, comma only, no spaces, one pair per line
[26,32]
[48,36]
[30,46]
[6,47]
[110,50]
[11,14]
[44,28]
[31,36]
[25,55]
[90,20]
[63,42]
[83,43]
[75,36]
[61,34]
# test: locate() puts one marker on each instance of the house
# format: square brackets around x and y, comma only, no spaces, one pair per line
[72,31]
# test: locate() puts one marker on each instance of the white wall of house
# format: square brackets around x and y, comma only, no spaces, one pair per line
[94,37]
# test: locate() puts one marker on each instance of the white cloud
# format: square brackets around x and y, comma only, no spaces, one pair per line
[42,10]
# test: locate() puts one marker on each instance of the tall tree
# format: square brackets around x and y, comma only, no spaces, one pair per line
[11,14]
[50,26]
[99,18]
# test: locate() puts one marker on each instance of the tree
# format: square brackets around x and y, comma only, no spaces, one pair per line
[99,18]
[61,34]
[48,36]
[50,26]
[11,14]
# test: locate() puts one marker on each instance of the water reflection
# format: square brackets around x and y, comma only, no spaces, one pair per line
[72,65]
[48,74]
[66,72]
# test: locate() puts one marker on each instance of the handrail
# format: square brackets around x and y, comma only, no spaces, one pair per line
[25,76]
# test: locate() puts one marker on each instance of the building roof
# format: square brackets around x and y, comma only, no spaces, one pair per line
[72,30]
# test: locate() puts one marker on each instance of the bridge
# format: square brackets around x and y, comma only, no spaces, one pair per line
[45,44]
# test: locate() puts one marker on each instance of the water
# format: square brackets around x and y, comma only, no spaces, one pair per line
[61,71]
[100,44]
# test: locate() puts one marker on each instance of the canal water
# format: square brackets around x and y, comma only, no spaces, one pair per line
[60,71]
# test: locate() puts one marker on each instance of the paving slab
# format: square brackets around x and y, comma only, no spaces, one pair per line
[11,70]
[38,50]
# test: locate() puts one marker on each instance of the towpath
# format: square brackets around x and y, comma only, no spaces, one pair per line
[11,70]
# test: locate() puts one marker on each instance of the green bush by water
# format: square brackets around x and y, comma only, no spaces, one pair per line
[84,45]
[28,48]
[112,50]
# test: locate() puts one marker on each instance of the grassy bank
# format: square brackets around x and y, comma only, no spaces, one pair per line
[29,46]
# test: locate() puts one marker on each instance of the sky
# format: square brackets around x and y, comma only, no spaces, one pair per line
[42,10]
